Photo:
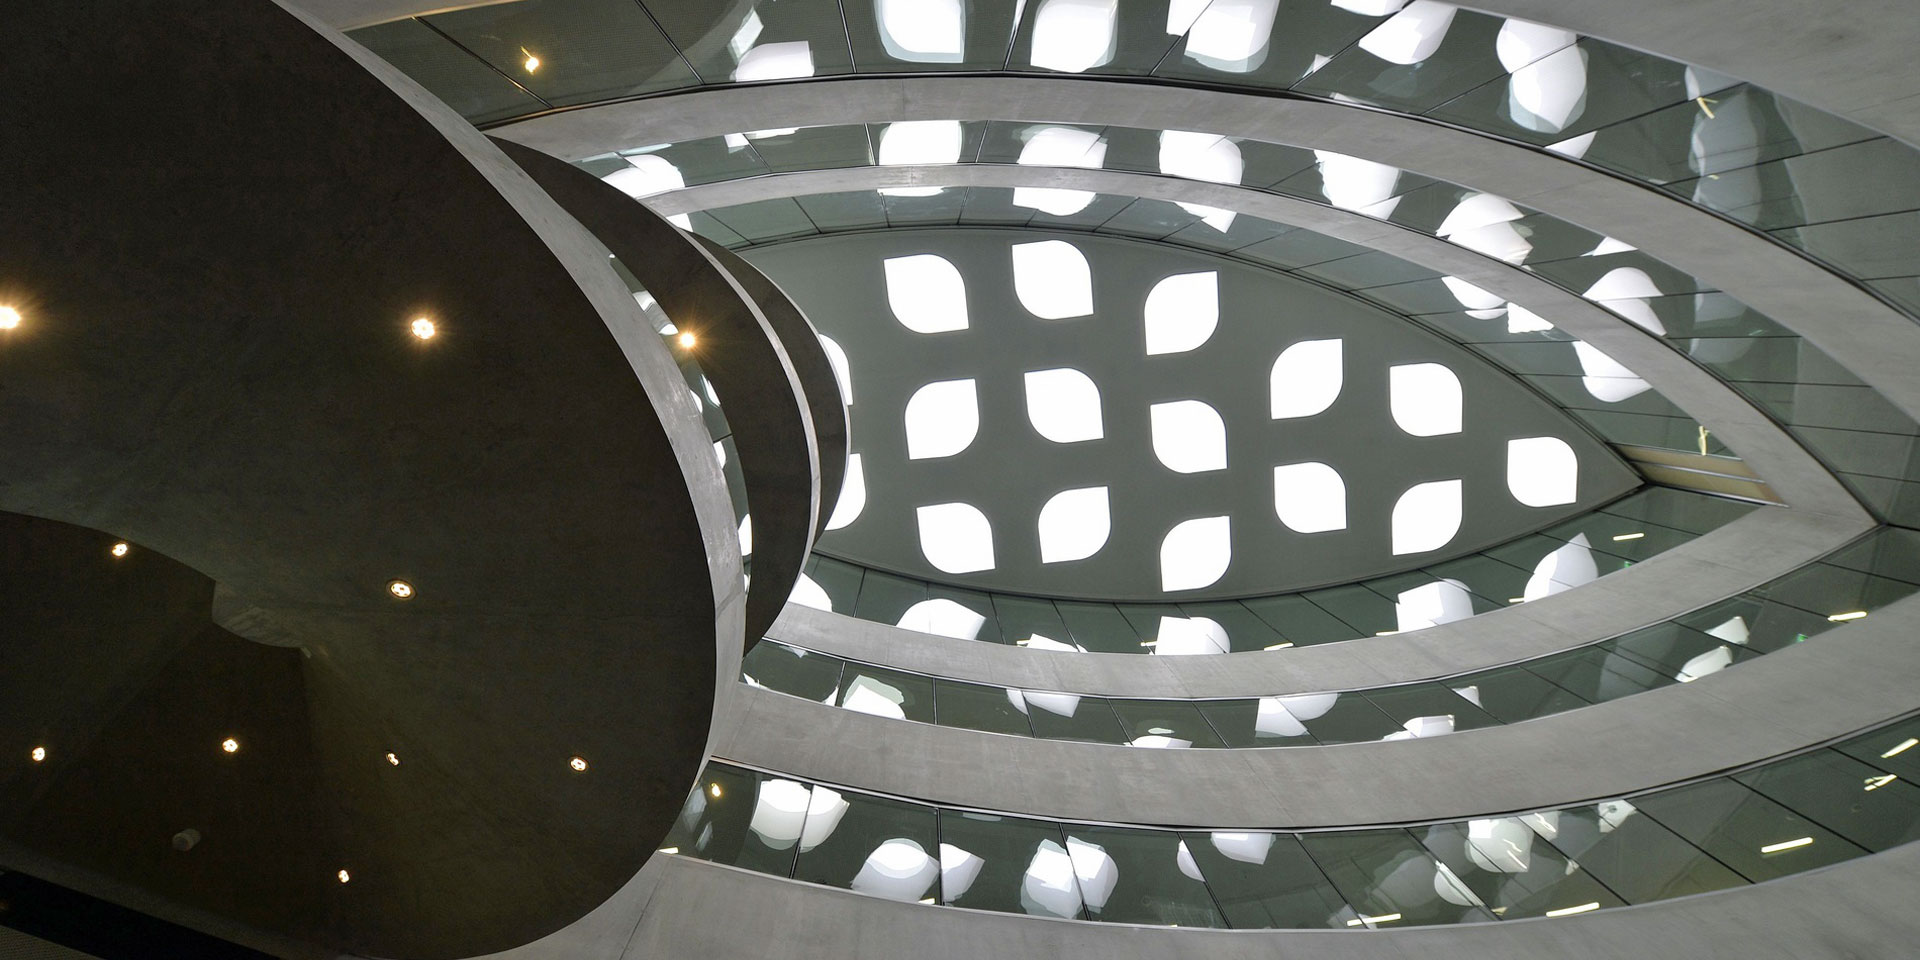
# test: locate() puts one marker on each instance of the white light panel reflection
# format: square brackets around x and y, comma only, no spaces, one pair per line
[1200,156]
[958,870]
[1479,304]
[1425,399]
[1074,525]
[923,31]
[1073,36]
[1063,405]
[1188,436]
[1047,888]
[1547,88]
[898,869]
[874,698]
[1606,379]
[926,293]
[941,419]
[1231,36]
[944,618]
[1568,566]
[808,593]
[1052,279]
[1542,471]
[792,60]
[1432,604]
[1426,517]
[1059,147]
[1095,870]
[1412,35]
[1483,223]
[1196,553]
[1190,636]
[1182,312]
[917,142]
[837,358]
[955,537]
[1626,291]
[1306,379]
[646,175]
[1287,716]
[746,535]
[1310,497]
[853,495]
[1362,186]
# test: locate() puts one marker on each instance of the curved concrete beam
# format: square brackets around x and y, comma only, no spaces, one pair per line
[1875,342]
[825,405]
[740,352]
[1776,704]
[1780,460]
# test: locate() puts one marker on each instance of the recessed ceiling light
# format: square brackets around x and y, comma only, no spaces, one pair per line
[9,318]
[38,754]
[714,790]
[532,62]
[1570,911]
[423,328]
[120,549]
[1786,845]
[579,764]
[230,745]
[344,876]
[394,759]
[1849,615]
[1900,748]
[687,339]
[1628,536]
[400,589]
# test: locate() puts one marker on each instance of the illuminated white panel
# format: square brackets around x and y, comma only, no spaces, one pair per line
[874,698]
[824,810]
[1200,156]
[958,870]
[926,293]
[1056,201]
[1218,218]
[1713,661]
[1370,8]
[1479,304]
[1521,42]
[1501,241]
[720,453]
[1064,147]
[1195,553]
[646,175]
[1542,471]
[1432,604]
[1047,888]
[837,358]
[1625,291]
[1609,245]
[1038,642]
[1188,436]
[1522,320]
[1095,870]
[923,31]
[1412,35]
[1425,399]
[1306,379]
[746,535]
[1607,379]
[944,618]
[1244,847]
[1073,36]
[1160,742]
[1182,312]
[1227,35]
[1063,405]
[955,537]
[1351,183]
[807,593]
[1550,93]
[1052,279]
[1575,147]
[920,142]
[1567,567]
[1476,211]
[776,61]
[779,813]
[1504,845]
[1190,636]
[1310,497]
[853,495]
[750,29]
[1420,727]
[942,418]
[898,869]
[1426,517]
[1074,525]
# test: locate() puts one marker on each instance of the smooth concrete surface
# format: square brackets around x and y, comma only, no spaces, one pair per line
[1840,681]
[1767,543]
[739,352]
[1877,343]
[1799,479]
[1858,910]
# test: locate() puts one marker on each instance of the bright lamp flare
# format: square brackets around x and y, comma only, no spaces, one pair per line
[230,745]
[687,339]
[9,318]
[344,876]
[579,764]
[400,589]
[38,754]
[120,549]
[423,328]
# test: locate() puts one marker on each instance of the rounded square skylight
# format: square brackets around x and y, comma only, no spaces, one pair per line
[1542,471]
[926,293]
[1074,525]
[923,31]
[1310,497]
[1200,156]
[1196,553]
[1073,36]
[955,537]
[1063,405]
[1306,379]
[1425,399]
[942,418]
[1426,517]
[853,495]
[915,142]
[1189,436]
[1182,312]
[1052,279]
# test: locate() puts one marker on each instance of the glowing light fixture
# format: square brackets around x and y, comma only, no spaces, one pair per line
[38,754]
[1786,845]
[9,318]
[531,62]
[1875,783]
[400,589]
[1073,36]
[393,759]
[1370,921]
[1849,615]
[423,328]
[579,764]
[1570,911]
[1628,536]
[687,339]
[230,745]
[120,549]
[1310,497]
[1306,379]
[344,876]
[1900,748]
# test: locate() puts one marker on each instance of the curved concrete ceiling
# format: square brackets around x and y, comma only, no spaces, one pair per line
[1874,341]
[1778,458]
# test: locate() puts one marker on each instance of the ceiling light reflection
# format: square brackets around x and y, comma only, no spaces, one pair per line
[1900,748]
[1786,845]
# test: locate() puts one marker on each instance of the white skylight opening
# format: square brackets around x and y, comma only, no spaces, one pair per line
[1542,471]
[926,293]
[955,537]
[944,618]
[1055,201]
[1190,636]
[853,495]
[807,593]
[792,60]
[1565,568]
[1351,183]
[1074,525]
[1306,379]
[1607,379]
[1426,517]
[1189,436]
[1432,604]
[1625,291]
[1425,399]
[837,359]
[646,175]
[1310,497]
[1196,553]
[923,31]
[1227,35]
[942,418]
[1412,35]
[1064,147]
[1064,405]
[1182,312]
[1200,156]
[1073,36]
[1052,279]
